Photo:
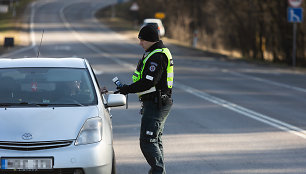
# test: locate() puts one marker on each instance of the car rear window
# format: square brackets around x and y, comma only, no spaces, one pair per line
[48,86]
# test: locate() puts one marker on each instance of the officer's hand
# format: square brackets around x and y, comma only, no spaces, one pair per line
[122,90]
[104,90]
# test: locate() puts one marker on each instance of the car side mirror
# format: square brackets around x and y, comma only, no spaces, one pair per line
[115,100]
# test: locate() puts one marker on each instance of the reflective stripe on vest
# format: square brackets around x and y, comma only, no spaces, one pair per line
[138,75]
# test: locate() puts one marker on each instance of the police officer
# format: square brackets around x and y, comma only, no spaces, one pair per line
[153,80]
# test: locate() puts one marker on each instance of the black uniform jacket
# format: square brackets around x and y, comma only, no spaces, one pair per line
[154,73]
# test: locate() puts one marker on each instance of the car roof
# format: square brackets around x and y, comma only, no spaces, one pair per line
[151,20]
[42,62]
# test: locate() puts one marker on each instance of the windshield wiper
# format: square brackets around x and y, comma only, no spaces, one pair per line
[68,104]
[23,104]
[39,104]
[5,104]
[33,104]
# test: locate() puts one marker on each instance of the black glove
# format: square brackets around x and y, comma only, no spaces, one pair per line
[124,89]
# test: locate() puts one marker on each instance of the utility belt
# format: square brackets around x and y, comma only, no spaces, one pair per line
[154,96]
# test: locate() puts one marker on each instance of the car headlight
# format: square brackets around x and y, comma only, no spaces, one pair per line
[91,132]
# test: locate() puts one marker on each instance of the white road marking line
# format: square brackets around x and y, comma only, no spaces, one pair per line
[62,48]
[16,52]
[268,81]
[244,111]
[90,46]
[231,106]
[32,24]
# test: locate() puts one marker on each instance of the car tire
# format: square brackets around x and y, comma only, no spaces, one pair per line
[114,163]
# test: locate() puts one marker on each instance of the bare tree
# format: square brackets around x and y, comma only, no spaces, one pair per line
[258,29]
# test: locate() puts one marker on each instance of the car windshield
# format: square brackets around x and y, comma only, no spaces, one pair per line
[155,25]
[46,86]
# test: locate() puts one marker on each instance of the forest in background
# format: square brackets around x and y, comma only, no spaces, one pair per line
[253,29]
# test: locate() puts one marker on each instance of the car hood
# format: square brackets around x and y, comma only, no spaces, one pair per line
[43,124]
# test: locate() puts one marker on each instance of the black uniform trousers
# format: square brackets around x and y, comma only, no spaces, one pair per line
[152,124]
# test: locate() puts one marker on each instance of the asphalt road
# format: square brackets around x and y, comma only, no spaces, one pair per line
[228,116]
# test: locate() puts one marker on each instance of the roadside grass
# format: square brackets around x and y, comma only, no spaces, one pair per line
[13,26]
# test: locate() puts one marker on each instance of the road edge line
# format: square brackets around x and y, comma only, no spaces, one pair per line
[244,111]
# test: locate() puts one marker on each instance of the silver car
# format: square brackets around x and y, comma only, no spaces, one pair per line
[53,118]
[156,23]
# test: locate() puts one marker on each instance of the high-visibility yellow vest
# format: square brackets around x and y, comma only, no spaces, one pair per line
[138,75]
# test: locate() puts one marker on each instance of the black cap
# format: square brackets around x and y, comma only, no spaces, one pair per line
[149,33]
